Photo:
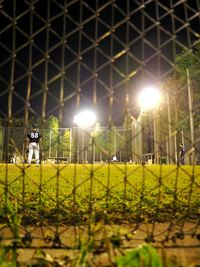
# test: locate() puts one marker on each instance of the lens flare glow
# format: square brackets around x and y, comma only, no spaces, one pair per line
[149,98]
[85,118]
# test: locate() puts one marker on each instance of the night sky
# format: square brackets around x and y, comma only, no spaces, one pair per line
[58,57]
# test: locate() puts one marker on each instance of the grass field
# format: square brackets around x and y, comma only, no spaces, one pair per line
[74,194]
[97,211]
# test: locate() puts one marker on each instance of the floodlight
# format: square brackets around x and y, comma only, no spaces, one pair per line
[85,118]
[149,98]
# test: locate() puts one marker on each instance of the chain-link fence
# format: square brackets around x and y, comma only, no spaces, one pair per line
[133,176]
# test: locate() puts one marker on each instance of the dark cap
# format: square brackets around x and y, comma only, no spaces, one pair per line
[34,126]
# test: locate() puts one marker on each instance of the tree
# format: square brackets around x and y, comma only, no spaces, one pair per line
[190,61]
[66,143]
[51,136]
[105,140]
[175,86]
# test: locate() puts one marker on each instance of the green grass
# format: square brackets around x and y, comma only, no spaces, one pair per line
[74,194]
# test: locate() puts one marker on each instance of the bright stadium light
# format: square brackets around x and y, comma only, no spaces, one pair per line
[85,118]
[149,98]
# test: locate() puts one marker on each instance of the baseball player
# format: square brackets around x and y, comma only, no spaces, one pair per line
[33,144]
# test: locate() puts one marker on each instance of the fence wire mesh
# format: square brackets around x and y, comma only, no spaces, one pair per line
[122,181]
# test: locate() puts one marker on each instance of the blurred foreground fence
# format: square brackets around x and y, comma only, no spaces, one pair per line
[106,189]
[83,198]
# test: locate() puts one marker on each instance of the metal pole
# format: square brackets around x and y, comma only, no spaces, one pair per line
[155,139]
[77,146]
[138,138]
[175,148]
[169,130]
[50,143]
[82,146]
[182,138]
[115,141]
[190,100]
[86,157]
[132,142]
[2,142]
[93,149]
[167,150]
[70,145]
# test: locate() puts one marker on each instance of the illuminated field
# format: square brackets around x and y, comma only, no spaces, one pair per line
[73,194]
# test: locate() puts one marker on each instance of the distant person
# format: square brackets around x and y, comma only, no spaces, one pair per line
[14,158]
[33,145]
[181,154]
[114,158]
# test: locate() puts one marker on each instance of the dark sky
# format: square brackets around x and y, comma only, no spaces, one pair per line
[62,56]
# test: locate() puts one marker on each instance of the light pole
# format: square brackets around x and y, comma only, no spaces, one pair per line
[84,119]
[70,145]
[149,99]
[169,154]
[190,100]
[137,140]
